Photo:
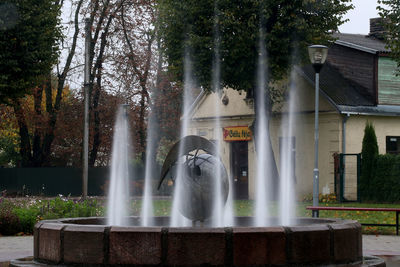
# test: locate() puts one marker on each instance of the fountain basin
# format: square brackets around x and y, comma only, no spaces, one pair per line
[90,241]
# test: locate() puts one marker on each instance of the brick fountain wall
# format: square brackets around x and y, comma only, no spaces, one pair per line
[320,242]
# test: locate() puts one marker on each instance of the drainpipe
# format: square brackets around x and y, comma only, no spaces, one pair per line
[345,118]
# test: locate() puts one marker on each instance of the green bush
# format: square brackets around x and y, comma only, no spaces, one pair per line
[385,184]
[380,174]
[20,215]
[9,221]
[62,207]
[28,217]
[369,154]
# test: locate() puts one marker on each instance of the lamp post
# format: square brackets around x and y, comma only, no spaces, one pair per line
[85,163]
[318,54]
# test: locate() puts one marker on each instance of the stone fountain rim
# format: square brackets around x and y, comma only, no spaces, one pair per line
[314,222]
[330,241]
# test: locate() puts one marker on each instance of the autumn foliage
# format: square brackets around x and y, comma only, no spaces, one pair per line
[44,125]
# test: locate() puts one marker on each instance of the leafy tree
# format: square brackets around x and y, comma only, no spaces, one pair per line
[141,72]
[286,23]
[389,10]
[9,154]
[369,154]
[29,31]
[35,33]
[188,27]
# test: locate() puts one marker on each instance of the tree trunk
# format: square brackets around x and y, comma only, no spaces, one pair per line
[97,72]
[37,136]
[96,128]
[25,145]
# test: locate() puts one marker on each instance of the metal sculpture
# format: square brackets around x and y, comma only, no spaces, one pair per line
[198,161]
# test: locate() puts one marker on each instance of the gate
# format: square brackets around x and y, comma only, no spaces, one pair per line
[347,176]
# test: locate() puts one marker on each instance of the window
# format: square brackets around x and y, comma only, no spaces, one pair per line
[202,132]
[393,144]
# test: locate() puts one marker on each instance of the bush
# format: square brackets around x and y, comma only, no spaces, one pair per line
[62,207]
[385,184]
[20,215]
[9,221]
[369,154]
[27,219]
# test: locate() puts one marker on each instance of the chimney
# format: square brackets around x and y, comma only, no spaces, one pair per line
[376,28]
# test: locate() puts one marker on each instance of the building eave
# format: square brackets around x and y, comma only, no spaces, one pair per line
[379,110]
[355,46]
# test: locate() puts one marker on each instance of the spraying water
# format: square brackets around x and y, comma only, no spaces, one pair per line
[147,207]
[177,219]
[263,177]
[221,216]
[118,195]
[286,191]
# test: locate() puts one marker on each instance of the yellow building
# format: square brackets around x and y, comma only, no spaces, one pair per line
[358,84]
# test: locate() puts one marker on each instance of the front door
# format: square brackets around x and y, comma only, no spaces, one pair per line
[240,169]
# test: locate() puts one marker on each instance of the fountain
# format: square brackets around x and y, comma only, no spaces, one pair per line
[92,241]
[196,234]
[119,178]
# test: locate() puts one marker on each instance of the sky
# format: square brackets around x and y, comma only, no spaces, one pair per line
[359,17]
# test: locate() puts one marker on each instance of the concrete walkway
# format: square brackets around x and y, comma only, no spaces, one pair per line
[384,246]
[387,247]
[15,247]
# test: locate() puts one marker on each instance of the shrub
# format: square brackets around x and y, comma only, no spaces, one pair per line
[27,218]
[369,154]
[20,215]
[62,207]
[385,184]
[9,221]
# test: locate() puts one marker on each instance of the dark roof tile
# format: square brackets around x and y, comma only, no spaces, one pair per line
[361,42]
[339,89]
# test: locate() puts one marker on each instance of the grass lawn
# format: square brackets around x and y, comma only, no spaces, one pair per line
[245,208]
[361,216]
[19,215]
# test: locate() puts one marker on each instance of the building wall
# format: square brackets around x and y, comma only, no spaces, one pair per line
[388,82]
[384,126]
[329,143]
[329,128]
[235,107]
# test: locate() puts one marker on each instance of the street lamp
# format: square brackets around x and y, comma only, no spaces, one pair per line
[85,150]
[318,54]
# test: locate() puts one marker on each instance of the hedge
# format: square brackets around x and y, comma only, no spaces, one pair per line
[384,185]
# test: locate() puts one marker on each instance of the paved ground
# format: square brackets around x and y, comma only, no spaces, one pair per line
[387,247]
[384,246]
[15,247]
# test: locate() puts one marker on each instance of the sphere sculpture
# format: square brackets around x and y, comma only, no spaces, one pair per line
[198,186]
[198,180]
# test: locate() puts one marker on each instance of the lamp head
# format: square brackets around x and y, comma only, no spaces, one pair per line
[317,54]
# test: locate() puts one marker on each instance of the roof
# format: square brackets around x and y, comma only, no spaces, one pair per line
[346,96]
[338,89]
[361,42]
